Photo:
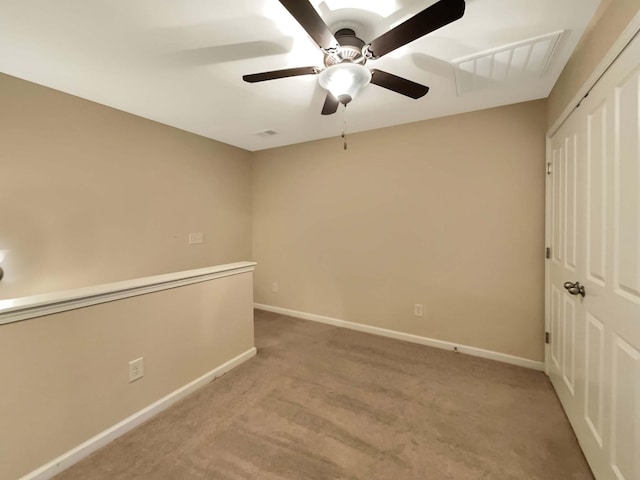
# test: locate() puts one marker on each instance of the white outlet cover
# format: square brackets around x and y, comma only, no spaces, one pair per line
[136,369]
[274,287]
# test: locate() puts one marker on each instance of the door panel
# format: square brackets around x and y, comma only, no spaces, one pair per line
[594,379]
[627,189]
[556,295]
[566,328]
[624,301]
[558,204]
[570,201]
[593,360]
[569,343]
[625,407]
[596,197]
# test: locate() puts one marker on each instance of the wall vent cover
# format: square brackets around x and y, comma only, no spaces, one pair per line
[515,63]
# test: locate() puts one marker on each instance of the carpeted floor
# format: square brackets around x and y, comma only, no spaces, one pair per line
[319,402]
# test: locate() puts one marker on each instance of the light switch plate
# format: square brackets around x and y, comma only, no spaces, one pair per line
[196,238]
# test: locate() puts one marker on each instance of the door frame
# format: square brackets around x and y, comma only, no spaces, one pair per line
[547,261]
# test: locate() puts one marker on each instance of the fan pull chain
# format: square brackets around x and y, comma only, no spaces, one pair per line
[344,128]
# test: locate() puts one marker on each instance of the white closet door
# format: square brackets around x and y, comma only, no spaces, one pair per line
[593,358]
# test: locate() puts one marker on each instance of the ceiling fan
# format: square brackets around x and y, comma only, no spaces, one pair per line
[345,54]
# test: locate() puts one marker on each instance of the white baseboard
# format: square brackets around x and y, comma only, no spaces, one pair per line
[83,450]
[407,337]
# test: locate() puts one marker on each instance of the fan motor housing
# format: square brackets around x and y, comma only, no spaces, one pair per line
[350,49]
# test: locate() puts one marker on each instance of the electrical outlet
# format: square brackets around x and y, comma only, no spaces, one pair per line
[136,369]
[417,309]
[274,287]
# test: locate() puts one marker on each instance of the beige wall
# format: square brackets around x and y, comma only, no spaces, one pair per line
[89,194]
[608,23]
[64,377]
[448,213]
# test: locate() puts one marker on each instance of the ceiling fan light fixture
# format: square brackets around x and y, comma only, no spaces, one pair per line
[344,80]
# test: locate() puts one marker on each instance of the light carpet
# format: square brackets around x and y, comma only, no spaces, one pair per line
[320,402]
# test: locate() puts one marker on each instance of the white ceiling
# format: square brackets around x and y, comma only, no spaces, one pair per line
[181,62]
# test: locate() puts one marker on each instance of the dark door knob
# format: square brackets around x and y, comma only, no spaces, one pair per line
[575,288]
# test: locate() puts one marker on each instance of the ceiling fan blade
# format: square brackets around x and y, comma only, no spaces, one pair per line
[330,105]
[287,72]
[431,18]
[310,20]
[398,84]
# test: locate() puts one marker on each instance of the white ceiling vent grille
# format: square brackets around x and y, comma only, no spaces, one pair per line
[518,62]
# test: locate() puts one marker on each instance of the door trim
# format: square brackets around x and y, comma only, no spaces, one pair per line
[547,243]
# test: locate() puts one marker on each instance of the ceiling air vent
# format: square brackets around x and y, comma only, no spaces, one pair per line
[515,63]
[267,133]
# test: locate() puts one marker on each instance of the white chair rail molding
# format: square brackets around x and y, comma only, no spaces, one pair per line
[111,356]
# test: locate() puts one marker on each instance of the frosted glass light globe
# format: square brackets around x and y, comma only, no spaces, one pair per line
[344,80]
